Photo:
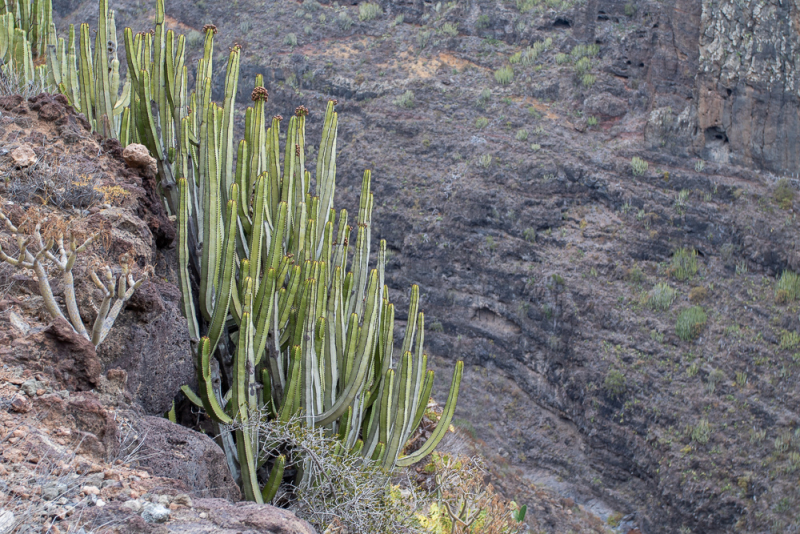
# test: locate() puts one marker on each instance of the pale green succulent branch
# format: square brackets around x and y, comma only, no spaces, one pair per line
[288,315]
[33,250]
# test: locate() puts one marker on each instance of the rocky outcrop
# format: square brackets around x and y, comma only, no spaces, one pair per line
[177,452]
[151,343]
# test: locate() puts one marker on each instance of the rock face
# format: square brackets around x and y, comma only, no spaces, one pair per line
[177,452]
[151,343]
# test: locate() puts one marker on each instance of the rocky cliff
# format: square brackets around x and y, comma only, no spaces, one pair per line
[502,138]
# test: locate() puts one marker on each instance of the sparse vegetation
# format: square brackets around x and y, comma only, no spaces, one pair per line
[639,166]
[450,29]
[684,264]
[691,323]
[290,39]
[344,21]
[587,80]
[661,297]
[787,288]
[583,65]
[504,75]
[561,58]
[614,383]
[485,160]
[368,11]
[584,51]
[701,433]
[406,100]
[784,194]
[482,22]
[522,134]
[698,294]
[789,340]
[481,122]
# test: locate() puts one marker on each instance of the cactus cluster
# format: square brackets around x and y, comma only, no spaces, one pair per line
[287,316]
[26,32]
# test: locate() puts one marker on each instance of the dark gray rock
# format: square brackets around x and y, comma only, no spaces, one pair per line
[150,341]
[173,451]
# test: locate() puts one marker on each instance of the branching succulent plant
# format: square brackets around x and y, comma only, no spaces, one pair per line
[33,250]
[287,316]
[26,30]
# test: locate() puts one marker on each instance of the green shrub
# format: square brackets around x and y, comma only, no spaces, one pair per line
[691,322]
[702,432]
[450,29]
[344,21]
[194,39]
[591,121]
[789,340]
[788,287]
[562,58]
[587,80]
[481,122]
[639,166]
[526,5]
[661,297]
[699,165]
[482,22]
[684,264]
[522,134]
[531,53]
[504,75]
[290,39]
[784,194]
[369,11]
[398,20]
[536,147]
[583,65]
[515,58]
[614,383]
[406,100]
[530,235]
[581,51]
[245,26]
[422,39]
[485,161]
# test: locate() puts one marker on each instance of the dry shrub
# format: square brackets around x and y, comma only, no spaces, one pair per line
[464,502]
[56,180]
[698,294]
[337,488]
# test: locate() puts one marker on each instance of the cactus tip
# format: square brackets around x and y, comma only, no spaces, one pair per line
[278,118]
[301,111]
[259,93]
[210,27]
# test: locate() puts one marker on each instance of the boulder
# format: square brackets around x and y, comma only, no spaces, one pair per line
[150,342]
[174,451]
[23,156]
[249,517]
[605,105]
[138,157]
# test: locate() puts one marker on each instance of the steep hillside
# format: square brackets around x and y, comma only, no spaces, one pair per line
[537,165]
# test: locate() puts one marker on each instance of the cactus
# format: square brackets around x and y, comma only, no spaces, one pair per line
[317,332]
[283,323]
